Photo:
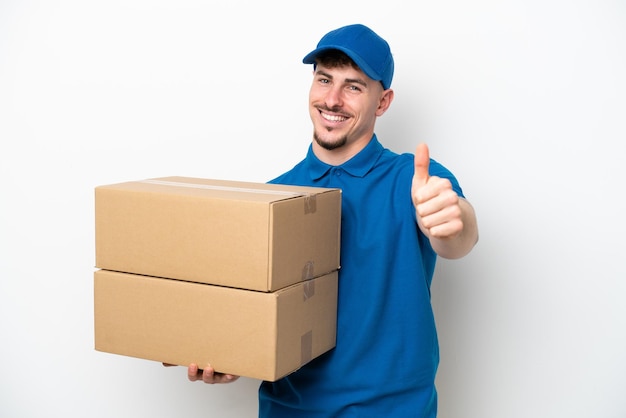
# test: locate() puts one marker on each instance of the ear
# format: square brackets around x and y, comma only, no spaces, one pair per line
[385,101]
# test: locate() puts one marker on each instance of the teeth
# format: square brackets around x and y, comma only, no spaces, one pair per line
[332,118]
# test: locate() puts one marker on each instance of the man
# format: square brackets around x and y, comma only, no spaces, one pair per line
[398,213]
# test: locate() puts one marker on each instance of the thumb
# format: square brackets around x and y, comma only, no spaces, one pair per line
[422,162]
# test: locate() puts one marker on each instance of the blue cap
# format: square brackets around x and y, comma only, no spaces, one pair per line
[368,50]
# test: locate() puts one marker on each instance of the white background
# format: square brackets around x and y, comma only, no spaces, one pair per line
[523,100]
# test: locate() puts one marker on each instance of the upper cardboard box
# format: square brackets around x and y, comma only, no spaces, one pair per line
[252,236]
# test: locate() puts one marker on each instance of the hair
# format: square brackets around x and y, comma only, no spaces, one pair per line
[334,58]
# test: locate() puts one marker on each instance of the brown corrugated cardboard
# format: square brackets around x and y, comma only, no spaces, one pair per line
[248,235]
[247,333]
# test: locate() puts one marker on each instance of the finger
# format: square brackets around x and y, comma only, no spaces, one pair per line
[208,374]
[438,196]
[449,229]
[224,378]
[193,372]
[433,215]
[422,163]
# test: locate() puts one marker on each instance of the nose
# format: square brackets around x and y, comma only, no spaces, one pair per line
[333,97]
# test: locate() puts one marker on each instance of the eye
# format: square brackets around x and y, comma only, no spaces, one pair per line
[323,80]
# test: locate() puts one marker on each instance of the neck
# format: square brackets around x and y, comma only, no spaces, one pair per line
[340,155]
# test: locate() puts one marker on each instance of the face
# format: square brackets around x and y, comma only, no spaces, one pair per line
[344,104]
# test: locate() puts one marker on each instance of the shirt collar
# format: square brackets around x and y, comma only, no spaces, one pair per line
[357,166]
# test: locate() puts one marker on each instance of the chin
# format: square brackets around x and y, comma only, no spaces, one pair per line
[330,144]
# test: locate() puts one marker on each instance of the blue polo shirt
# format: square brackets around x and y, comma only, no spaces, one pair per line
[386,356]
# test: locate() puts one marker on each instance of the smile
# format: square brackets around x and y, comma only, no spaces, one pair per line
[333,118]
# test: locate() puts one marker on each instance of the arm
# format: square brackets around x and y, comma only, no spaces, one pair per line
[448,220]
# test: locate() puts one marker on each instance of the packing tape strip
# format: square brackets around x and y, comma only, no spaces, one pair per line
[310,204]
[310,200]
[224,188]
[308,290]
[308,271]
[306,347]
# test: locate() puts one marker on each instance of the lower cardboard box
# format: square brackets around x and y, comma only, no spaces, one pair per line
[242,332]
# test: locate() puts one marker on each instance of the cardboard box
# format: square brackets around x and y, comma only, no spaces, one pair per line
[247,333]
[248,235]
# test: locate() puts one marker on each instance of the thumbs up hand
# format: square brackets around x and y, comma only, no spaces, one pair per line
[437,205]
[448,220]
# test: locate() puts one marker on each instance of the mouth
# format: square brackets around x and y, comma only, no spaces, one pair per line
[332,118]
